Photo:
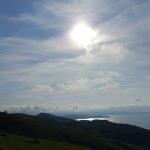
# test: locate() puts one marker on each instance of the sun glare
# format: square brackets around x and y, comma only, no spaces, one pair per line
[83,35]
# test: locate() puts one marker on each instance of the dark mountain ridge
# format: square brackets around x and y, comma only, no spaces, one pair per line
[95,134]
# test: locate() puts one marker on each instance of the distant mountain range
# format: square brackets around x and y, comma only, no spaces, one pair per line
[97,134]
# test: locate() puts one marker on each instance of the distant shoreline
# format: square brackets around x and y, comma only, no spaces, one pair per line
[101,117]
[141,120]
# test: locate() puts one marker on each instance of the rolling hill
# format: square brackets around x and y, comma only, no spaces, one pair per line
[48,128]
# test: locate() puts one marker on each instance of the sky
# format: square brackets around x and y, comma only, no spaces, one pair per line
[42,68]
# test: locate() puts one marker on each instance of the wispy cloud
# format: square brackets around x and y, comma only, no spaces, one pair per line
[99,81]
[54,69]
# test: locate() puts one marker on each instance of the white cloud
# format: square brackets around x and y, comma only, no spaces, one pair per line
[54,44]
[110,87]
[102,80]
[42,90]
[55,69]
[77,85]
[35,92]
[114,50]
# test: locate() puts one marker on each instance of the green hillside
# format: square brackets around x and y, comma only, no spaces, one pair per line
[14,142]
[46,131]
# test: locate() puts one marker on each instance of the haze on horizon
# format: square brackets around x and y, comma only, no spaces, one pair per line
[46,64]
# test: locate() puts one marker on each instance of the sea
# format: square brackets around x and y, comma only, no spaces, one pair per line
[141,120]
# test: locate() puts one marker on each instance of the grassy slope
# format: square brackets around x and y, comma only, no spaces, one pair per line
[26,125]
[14,142]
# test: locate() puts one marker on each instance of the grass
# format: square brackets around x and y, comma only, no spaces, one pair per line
[15,142]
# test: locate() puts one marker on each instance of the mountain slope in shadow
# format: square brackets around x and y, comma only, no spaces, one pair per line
[95,134]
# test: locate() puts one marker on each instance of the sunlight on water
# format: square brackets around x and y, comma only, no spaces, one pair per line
[141,120]
[91,119]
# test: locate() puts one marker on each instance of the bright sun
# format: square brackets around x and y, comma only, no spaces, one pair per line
[83,35]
